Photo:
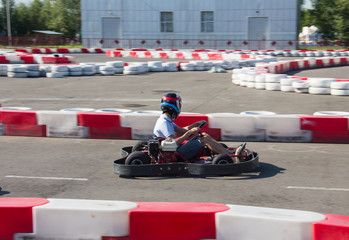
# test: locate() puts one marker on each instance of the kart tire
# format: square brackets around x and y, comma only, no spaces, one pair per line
[137,158]
[141,145]
[222,159]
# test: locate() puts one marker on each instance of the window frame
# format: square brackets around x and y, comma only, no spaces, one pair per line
[207,26]
[166,25]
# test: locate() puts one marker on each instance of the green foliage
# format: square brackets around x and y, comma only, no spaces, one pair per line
[330,16]
[55,15]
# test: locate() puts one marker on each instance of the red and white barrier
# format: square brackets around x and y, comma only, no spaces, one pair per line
[39,218]
[321,128]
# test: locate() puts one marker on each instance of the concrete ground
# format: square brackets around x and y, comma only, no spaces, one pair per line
[304,176]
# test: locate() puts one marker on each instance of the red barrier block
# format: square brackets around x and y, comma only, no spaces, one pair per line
[22,123]
[28,131]
[85,50]
[4,60]
[117,54]
[19,118]
[196,56]
[163,55]
[21,50]
[319,63]
[98,50]
[184,120]
[343,61]
[36,51]
[134,54]
[180,55]
[294,65]
[55,60]
[174,221]
[104,125]
[334,227]
[148,55]
[28,59]
[48,50]
[16,215]
[62,50]
[326,129]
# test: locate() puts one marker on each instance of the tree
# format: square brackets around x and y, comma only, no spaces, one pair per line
[324,14]
[343,20]
[65,16]
[3,14]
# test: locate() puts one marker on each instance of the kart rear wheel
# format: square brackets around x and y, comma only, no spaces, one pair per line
[222,159]
[140,146]
[137,158]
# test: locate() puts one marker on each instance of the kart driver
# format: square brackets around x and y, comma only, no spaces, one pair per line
[165,128]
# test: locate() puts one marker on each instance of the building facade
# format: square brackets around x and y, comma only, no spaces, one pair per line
[199,24]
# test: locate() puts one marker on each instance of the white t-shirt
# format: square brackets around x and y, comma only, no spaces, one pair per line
[164,127]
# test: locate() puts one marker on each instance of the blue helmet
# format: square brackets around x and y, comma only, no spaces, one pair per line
[172,104]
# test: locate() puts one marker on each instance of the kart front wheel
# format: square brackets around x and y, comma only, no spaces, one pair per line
[222,159]
[140,146]
[137,158]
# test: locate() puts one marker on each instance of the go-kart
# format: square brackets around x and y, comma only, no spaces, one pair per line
[160,157]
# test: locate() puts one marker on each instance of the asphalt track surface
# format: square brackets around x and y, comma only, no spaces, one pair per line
[302,176]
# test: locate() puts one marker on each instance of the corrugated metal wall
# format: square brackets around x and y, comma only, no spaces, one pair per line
[140,20]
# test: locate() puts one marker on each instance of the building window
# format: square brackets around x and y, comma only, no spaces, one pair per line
[166,20]
[207,21]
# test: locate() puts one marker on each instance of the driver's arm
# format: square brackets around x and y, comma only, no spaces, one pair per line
[183,130]
[185,135]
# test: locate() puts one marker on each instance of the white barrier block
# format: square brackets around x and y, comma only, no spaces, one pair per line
[283,128]
[81,219]
[246,223]
[141,123]
[61,124]
[236,127]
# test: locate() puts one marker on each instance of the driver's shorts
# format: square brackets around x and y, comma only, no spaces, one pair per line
[191,148]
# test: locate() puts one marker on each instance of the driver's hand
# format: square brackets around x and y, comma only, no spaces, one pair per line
[194,130]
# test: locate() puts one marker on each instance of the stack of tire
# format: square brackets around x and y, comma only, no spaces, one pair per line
[142,67]
[89,69]
[155,66]
[106,70]
[117,65]
[208,65]
[131,70]
[235,76]
[250,78]
[273,81]
[300,86]
[170,67]
[187,66]
[340,88]
[44,69]
[75,70]
[3,70]
[227,65]
[199,65]
[58,71]
[17,71]
[33,70]
[320,86]
[286,84]
[260,82]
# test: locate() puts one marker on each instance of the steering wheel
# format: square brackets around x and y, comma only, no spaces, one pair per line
[201,125]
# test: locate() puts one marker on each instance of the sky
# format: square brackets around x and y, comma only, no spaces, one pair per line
[307,2]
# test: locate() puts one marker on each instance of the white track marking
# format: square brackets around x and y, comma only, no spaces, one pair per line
[320,188]
[48,178]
